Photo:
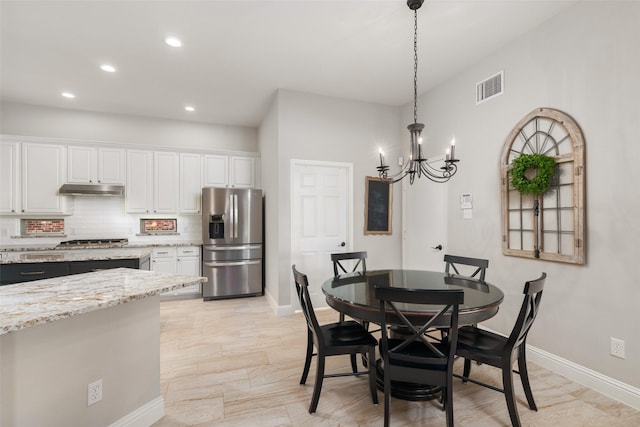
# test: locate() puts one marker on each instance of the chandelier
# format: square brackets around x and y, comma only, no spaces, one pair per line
[417,165]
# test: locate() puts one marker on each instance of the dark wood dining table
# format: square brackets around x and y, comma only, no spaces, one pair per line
[353,295]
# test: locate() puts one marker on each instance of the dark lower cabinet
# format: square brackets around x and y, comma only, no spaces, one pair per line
[77,267]
[26,272]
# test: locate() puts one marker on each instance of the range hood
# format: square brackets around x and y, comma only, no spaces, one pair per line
[92,189]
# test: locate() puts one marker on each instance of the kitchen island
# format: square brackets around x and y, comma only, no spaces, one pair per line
[59,335]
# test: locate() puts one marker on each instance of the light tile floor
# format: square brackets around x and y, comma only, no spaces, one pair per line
[235,363]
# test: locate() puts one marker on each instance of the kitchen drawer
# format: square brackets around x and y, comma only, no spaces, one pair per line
[185,251]
[164,252]
[76,267]
[26,272]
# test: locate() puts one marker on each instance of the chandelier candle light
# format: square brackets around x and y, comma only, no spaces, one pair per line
[417,165]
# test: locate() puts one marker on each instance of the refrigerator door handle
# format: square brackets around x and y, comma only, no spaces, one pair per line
[228,264]
[235,214]
[231,248]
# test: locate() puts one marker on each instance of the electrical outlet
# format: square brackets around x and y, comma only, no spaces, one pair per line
[94,393]
[617,348]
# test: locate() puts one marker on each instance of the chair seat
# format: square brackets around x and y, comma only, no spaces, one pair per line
[349,333]
[417,355]
[486,346]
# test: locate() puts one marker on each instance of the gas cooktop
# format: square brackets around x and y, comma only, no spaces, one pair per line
[95,243]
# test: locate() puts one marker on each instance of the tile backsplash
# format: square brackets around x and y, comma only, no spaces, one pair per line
[101,217]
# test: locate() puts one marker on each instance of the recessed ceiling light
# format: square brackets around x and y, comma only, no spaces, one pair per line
[108,68]
[68,95]
[173,42]
[189,108]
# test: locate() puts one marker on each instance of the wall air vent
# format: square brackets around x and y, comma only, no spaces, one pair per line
[490,88]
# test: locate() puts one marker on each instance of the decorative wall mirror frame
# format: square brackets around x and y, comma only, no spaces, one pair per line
[549,226]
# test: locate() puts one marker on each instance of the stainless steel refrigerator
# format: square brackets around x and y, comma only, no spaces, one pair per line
[232,251]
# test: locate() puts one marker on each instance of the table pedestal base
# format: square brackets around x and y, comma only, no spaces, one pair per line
[407,391]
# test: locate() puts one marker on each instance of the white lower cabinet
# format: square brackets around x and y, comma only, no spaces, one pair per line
[178,260]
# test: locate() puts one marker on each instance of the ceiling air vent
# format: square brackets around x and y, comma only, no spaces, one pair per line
[490,88]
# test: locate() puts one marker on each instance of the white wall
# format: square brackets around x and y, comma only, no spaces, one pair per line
[46,369]
[312,127]
[269,154]
[584,62]
[32,120]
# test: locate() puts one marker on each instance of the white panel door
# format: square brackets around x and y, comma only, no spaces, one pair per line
[321,219]
[424,225]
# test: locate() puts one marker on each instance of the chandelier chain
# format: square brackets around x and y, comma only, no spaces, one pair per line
[415,66]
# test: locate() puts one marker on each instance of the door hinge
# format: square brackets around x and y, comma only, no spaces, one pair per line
[578,170]
[578,243]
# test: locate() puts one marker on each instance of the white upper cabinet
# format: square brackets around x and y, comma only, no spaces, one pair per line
[225,171]
[165,182]
[95,165]
[190,183]
[152,182]
[139,188]
[9,177]
[216,171]
[43,172]
[242,172]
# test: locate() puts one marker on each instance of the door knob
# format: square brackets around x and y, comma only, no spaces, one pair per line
[439,247]
[343,244]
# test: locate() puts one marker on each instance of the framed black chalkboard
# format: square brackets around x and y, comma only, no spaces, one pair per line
[377,211]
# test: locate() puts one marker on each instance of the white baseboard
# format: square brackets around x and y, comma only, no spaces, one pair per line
[280,310]
[144,416]
[603,384]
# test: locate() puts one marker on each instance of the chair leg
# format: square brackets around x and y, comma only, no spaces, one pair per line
[307,362]
[524,377]
[387,399]
[354,363]
[509,393]
[341,317]
[467,370]
[448,405]
[372,375]
[318,384]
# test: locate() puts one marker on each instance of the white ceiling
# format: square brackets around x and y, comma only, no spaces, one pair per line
[236,54]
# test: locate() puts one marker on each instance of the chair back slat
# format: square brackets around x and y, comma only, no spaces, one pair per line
[340,268]
[453,261]
[302,290]
[528,311]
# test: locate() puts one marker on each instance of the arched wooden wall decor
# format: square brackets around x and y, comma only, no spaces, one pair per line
[549,226]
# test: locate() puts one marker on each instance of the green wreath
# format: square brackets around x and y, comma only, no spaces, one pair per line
[545,167]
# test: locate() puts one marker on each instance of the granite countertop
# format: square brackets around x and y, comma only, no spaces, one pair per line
[39,302]
[53,246]
[74,255]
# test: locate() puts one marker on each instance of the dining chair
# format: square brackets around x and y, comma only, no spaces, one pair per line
[500,351]
[340,265]
[454,261]
[342,338]
[412,357]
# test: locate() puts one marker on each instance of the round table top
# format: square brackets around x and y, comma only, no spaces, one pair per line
[353,293]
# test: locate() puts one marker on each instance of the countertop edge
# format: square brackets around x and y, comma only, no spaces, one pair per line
[28,304]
